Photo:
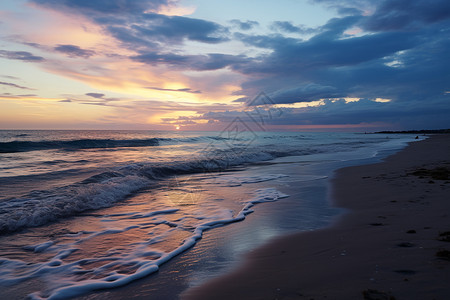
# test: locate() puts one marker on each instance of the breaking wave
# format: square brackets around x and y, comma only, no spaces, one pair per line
[109,187]
[24,146]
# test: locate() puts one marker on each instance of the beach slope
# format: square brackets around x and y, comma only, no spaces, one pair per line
[393,242]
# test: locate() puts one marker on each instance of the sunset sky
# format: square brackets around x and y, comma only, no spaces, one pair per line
[198,64]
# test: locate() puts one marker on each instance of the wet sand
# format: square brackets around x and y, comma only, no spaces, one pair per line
[393,243]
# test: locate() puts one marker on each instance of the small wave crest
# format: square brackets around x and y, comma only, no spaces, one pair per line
[41,207]
[107,188]
[24,146]
[80,144]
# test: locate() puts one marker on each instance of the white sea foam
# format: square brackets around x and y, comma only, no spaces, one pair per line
[233,180]
[69,279]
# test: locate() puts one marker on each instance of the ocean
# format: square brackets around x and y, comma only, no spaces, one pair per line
[82,211]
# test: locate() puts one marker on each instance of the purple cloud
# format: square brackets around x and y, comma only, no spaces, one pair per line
[95,95]
[21,55]
[15,85]
[74,51]
[184,90]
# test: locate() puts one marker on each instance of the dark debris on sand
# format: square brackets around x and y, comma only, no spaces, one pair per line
[371,294]
[444,236]
[443,254]
[438,173]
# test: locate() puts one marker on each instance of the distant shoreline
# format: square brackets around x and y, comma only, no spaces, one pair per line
[425,131]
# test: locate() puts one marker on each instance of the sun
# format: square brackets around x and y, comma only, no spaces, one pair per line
[177,127]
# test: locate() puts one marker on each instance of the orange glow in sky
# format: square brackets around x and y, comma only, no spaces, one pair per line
[198,64]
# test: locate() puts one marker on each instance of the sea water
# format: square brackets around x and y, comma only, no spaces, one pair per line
[87,210]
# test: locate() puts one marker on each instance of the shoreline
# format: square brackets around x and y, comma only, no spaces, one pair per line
[391,244]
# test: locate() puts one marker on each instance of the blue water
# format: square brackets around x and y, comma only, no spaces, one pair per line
[86,210]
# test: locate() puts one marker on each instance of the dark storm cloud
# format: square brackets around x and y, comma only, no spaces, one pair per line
[390,64]
[74,51]
[330,52]
[405,14]
[403,58]
[393,14]
[21,55]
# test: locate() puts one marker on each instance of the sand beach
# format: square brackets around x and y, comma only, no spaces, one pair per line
[392,243]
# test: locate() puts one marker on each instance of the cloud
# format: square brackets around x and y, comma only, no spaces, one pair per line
[387,64]
[399,61]
[15,85]
[328,52]
[388,15]
[12,96]
[392,49]
[20,55]
[154,30]
[244,25]
[96,101]
[184,90]
[363,113]
[74,51]
[182,120]
[212,61]
[305,93]
[105,7]
[136,24]
[349,7]
[176,28]
[95,95]
[288,27]
[9,77]
[404,14]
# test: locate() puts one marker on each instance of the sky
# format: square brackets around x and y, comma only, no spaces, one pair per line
[354,65]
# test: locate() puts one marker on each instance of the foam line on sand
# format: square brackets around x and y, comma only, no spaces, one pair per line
[393,242]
